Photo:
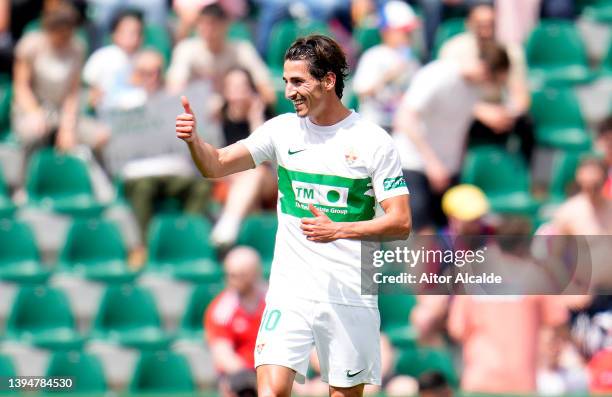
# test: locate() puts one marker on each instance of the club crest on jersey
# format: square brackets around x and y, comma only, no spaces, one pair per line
[259,347]
[350,155]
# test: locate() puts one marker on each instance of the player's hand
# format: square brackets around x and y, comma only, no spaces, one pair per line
[438,176]
[320,228]
[186,123]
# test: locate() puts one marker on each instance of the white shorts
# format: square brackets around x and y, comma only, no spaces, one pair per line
[347,340]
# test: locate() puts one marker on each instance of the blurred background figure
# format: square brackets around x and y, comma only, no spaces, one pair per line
[240,384]
[110,67]
[434,384]
[210,54]
[188,11]
[241,112]
[6,38]
[432,147]
[604,145]
[46,87]
[232,319]
[384,71]
[502,109]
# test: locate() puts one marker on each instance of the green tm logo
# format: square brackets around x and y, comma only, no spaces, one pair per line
[394,183]
[304,193]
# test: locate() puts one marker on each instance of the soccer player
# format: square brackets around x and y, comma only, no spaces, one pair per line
[333,167]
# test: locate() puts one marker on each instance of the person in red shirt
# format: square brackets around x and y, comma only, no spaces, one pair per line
[232,319]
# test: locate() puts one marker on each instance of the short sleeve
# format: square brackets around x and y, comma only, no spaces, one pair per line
[215,330]
[387,177]
[422,89]
[92,69]
[180,65]
[366,75]
[27,47]
[260,144]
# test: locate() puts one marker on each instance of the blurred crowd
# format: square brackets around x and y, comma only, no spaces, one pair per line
[481,136]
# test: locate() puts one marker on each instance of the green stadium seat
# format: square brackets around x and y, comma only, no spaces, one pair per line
[193,318]
[558,119]
[240,31]
[158,38]
[447,30]
[128,316]
[6,95]
[503,177]
[606,64]
[7,207]
[60,182]
[162,372]
[95,250]
[563,174]
[283,34]
[84,369]
[416,361]
[179,246]
[599,11]
[395,318]
[556,54]
[367,37]
[19,259]
[42,316]
[259,231]
[7,370]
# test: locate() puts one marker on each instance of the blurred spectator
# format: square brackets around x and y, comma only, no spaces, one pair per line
[558,9]
[273,11]
[110,66]
[46,86]
[103,12]
[210,55]
[162,182]
[384,71]
[433,12]
[240,384]
[500,339]
[502,110]
[466,208]
[23,12]
[434,384]
[431,127]
[232,319]
[516,19]
[604,144]
[241,113]
[6,38]
[187,12]
[392,384]
[588,213]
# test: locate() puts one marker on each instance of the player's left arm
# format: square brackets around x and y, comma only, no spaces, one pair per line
[395,224]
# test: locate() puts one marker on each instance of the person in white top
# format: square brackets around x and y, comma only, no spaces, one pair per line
[333,167]
[432,123]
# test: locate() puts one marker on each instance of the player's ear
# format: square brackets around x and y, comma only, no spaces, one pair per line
[329,81]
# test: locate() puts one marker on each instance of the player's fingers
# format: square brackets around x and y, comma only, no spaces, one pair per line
[184,129]
[314,210]
[308,221]
[185,116]
[181,123]
[186,105]
[181,135]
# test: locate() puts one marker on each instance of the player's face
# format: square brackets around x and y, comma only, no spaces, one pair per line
[302,88]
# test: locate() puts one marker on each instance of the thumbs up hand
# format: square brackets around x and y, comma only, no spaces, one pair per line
[186,123]
[320,228]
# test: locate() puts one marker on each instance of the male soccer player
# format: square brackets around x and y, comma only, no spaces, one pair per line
[332,168]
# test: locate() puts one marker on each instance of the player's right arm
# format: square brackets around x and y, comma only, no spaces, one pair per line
[212,162]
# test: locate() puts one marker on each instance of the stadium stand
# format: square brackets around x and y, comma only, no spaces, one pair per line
[19,258]
[84,369]
[162,372]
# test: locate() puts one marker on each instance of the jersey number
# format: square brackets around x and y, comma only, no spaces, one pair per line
[269,320]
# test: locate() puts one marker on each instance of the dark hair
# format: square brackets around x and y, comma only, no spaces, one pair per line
[124,14]
[495,58]
[432,381]
[514,234]
[248,75]
[323,55]
[606,126]
[60,17]
[214,10]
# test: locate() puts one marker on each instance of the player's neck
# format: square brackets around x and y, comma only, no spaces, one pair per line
[332,112]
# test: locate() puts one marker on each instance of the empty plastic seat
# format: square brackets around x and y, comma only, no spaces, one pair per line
[94,249]
[84,369]
[395,318]
[60,182]
[19,259]
[503,177]
[6,94]
[367,37]
[128,316]
[259,231]
[7,370]
[563,174]
[7,207]
[283,34]
[556,54]
[179,245]
[606,63]
[42,316]
[159,39]
[239,30]
[416,361]
[162,372]
[446,30]
[193,318]
[600,11]
[558,120]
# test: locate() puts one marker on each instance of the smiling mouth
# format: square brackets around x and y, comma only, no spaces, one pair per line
[298,103]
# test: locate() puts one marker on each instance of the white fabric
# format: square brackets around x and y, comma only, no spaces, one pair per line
[343,170]
[107,67]
[445,102]
[347,340]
